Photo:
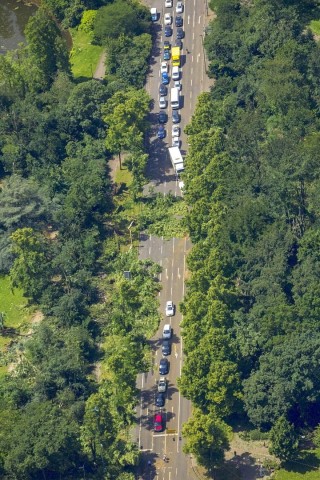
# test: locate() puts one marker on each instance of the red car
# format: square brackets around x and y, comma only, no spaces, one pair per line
[158,422]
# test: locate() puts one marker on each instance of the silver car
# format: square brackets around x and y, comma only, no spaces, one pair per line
[162,384]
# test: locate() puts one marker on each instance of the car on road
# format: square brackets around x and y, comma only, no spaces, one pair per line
[167,19]
[180,33]
[169,308]
[160,399]
[179,7]
[162,384]
[162,102]
[166,45]
[178,43]
[161,133]
[175,131]
[168,3]
[158,422]
[166,54]
[167,331]
[164,67]
[167,31]
[175,73]
[176,142]
[164,366]
[162,117]
[178,21]
[166,347]
[178,84]
[165,78]
[175,117]
[163,89]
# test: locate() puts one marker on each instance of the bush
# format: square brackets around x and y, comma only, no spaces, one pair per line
[87,21]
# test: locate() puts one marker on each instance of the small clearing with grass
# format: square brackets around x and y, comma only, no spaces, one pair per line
[84,56]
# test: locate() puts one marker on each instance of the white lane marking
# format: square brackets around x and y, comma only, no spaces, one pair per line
[159,280]
[179,276]
[161,249]
[188,19]
[191,58]
[193,36]
[191,82]
[198,57]
[199,21]
[167,274]
[149,250]
[190,95]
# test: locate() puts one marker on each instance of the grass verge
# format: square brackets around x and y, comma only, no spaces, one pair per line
[305,467]
[84,56]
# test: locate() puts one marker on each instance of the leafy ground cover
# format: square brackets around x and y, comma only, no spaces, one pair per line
[84,56]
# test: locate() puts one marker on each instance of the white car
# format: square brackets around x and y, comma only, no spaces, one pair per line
[175,73]
[168,3]
[179,7]
[162,384]
[169,308]
[167,331]
[164,67]
[162,102]
[178,84]
[167,19]
[175,131]
[176,142]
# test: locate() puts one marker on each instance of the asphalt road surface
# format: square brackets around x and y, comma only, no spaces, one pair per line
[170,254]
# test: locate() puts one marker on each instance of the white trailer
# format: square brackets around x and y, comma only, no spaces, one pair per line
[176,159]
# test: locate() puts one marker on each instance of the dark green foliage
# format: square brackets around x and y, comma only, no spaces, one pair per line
[284,440]
[120,17]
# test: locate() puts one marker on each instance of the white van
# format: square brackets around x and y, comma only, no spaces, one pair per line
[167,331]
[175,99]
[175,73]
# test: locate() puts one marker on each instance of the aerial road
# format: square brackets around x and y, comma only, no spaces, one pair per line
[162,456]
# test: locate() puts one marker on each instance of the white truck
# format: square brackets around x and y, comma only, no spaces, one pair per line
[175,99]
[176,159]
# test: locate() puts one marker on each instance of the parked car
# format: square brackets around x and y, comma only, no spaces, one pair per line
[166,347]
[158,422]
[165,78]
[167,31]
[160,399]
[161,133]
[176,142]
[162,102]
[167,331]
[169,308]
[178,43]
[164,67]
[178,84]
[162,117]
[162,384]
[166,45]
[163,89]
[175,131]
[179,7]
[166,54]
[175,116]
[168,3]
[178,21]
[167,19]
[180,33]
[175,73]
[164,366]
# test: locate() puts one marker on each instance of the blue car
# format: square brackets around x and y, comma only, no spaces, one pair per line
[166,54]
[165,78]
[161,132]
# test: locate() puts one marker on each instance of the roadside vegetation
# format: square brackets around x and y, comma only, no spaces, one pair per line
[64,250]
[251,184]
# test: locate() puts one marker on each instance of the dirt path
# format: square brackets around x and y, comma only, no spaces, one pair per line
[101,69]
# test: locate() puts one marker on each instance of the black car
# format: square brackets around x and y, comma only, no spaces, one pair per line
[175,116]
[178,43]
[167,31]
[166,347]
[163,91]
[159,400]
[180,33]
[163,366]
[178,21]
[166,45]
[162,117]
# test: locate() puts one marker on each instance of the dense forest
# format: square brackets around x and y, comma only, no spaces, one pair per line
[252,182]
[67,406]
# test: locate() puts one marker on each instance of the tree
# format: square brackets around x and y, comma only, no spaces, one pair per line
[47,49]
[207,438]
[284,440]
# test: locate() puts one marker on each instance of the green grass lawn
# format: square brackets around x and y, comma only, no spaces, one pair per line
[14,306]
[315,26]
[306,467]
[84,57]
